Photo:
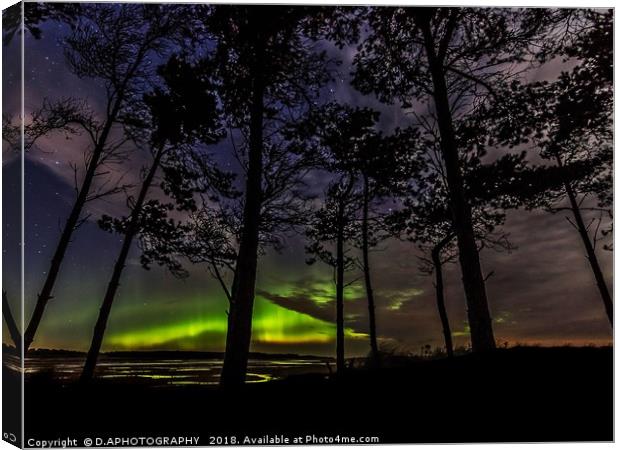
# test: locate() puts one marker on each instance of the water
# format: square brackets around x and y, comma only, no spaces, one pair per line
[163,372]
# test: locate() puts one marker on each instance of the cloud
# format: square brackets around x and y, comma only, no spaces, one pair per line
[542,292]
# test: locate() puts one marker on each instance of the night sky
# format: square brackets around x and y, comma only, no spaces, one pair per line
[543,292]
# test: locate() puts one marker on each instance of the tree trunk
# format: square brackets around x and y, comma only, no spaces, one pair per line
[587,243]
[65,238]
[106,306]
[10,323]
[340,360]
[239,332]
[366,262]
[340,268]
[480,322]
[441,304]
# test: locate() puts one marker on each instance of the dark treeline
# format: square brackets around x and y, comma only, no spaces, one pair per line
[187,86]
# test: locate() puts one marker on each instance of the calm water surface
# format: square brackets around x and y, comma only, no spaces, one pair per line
[165,371]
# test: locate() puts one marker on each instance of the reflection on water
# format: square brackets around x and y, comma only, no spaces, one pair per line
[162,372]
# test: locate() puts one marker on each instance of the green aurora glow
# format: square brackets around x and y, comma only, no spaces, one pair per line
[272,324]
[169,314]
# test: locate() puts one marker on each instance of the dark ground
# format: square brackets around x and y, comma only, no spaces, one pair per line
[521,394]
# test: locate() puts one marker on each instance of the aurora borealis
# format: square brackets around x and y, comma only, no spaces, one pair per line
[163,313]
[273,325]
[544,280]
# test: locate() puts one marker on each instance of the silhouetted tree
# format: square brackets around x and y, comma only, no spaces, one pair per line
[334,224]
[269,71]
[66,117]
[16,336]
[11,133]
[187,171]
[492,185]
[452,57]
[112,44]
[569,121]
[379,165]
[210,241]
[129,228]
[424,218]
[34,14]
